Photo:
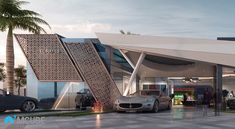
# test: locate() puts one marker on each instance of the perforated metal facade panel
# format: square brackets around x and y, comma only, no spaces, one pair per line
[47,57]
[94,71]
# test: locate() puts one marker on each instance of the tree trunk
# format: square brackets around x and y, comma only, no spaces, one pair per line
[10,61]
[19,89]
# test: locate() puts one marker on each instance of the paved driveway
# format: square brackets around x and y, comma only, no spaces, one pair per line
[176,119]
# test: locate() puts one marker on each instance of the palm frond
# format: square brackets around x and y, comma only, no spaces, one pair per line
[30,23]
[29,27]
[2,65]
[28,13]
[19,3]
[4,23]
[9,7]
[36,20]
[11,14]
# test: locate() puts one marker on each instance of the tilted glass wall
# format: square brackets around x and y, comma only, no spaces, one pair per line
[116,64]
[45,92]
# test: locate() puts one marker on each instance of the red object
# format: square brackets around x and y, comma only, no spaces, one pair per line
[98,107]
[152,87]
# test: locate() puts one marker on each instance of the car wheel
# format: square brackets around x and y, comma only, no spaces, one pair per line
[28,106]
[155,107]
[169,105]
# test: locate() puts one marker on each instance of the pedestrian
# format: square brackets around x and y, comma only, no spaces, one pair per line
[185,99]
[206,101]
[78,100]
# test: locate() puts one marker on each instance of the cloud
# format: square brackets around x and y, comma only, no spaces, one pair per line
[84,27]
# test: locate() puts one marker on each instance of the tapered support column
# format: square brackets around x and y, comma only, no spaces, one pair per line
[127,59]
[55,89]
[218,89]
[133,75]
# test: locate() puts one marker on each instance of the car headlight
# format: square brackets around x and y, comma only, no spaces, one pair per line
[117,101]
[149,100]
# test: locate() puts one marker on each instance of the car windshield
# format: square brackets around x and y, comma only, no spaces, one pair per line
[85,91]
[153,93]
[146,93]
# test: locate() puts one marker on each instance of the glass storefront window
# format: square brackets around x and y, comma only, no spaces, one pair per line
[119,68]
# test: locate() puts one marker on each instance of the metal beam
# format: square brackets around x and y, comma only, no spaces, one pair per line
[127,59]
[133,75]
[55,89]
[218,89]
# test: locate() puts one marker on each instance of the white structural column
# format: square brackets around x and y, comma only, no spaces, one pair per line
[127,59]
[133,75]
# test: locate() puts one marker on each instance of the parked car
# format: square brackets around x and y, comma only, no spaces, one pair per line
[84,99]
[151,103]
[11,102]
[231,103]
[46,103]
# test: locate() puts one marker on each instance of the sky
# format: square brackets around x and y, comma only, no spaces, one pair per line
[179,18]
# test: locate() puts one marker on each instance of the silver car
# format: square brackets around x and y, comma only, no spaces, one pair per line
[142,103]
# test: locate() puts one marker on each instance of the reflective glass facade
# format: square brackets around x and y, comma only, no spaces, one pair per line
[116,64]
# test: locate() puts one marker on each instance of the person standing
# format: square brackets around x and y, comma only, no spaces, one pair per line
[79,100]
[185,99]
[206,101]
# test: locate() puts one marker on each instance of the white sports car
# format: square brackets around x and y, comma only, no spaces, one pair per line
[142,103]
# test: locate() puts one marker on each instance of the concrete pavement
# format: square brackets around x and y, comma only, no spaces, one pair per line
[183,118]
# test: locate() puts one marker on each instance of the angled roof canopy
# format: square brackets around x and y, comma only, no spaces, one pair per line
[206,50]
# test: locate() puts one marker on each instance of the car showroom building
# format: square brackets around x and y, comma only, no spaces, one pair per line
[114,64]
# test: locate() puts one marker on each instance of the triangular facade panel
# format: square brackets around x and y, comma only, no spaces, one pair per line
[47,57]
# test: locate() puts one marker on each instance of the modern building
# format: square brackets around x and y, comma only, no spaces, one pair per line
[114,64]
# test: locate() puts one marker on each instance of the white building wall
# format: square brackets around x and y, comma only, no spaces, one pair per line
[32,83]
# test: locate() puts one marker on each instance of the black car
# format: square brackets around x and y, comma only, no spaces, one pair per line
[11,102]
[84,99]
[46,103]
[231,103]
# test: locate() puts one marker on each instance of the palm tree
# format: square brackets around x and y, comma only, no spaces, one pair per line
[20,77]
[12,17]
